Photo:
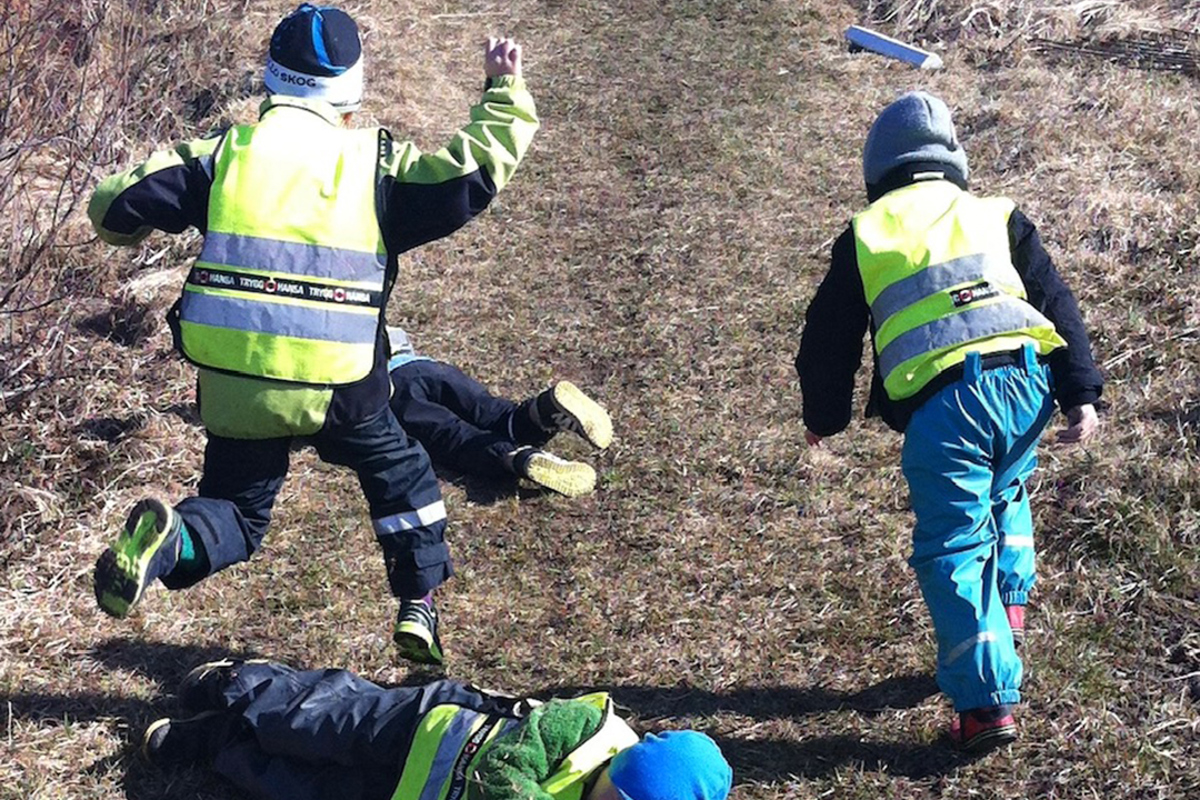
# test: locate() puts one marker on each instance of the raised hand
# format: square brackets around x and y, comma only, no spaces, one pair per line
[501,57]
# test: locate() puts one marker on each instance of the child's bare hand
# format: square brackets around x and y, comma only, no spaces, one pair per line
[1082,422]
[501,57]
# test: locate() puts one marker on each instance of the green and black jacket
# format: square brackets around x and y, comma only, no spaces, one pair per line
[419,196]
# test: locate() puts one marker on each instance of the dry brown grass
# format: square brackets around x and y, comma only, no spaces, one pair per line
[1094,19]
[659,247]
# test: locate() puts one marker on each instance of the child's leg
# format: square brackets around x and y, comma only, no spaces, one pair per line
[466,397]
[230,516]
[1031,406]
[947,461]
[564,407]
[259,774]
[1016,557]
[335,716]
[472,402]
[405,501]
[202,535]
[442,408]
[326,733]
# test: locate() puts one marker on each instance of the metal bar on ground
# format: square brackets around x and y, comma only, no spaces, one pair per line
[892,48]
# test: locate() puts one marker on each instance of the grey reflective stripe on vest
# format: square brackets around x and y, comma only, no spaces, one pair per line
[331,323]
[1006,316]
[929,281]
[293,258]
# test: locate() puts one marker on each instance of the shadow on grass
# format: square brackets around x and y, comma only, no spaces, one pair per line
[769,702]
[162,663]
[1185,419]
[127,324]
[774,759]
[753,760]
[165,664]
[767,760]
[188,412]
[111,429]
[486,491]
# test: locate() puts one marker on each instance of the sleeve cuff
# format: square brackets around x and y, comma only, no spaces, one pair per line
[504,82]
[1080,398]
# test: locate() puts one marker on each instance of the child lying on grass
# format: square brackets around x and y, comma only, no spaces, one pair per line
[465,427]
[279,733]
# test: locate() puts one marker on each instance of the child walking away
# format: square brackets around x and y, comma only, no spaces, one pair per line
[304,220]
[975,336]
[280,734]
[465,427]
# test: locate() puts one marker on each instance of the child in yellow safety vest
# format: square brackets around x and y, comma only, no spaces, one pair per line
[975,337]
[304,220]
[281,734]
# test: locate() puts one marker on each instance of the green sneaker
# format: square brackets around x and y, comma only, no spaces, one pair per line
[570,478]
[564,407]
[416,632]
[146,549]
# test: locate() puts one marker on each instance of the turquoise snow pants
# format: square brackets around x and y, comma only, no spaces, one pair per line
[968,451]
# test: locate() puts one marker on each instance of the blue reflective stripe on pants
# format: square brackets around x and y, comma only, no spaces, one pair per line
[968,451]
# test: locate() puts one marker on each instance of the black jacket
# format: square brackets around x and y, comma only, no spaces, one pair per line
[419,197]
[838,316]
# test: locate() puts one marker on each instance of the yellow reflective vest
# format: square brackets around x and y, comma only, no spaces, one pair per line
[290,283]
[451,740]
[937,272]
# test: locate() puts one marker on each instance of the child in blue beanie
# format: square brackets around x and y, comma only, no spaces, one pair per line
[305,219]
[675,765]
[276,732]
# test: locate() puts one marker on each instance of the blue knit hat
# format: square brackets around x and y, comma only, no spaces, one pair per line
[915,128]
[676,765]
[316,53]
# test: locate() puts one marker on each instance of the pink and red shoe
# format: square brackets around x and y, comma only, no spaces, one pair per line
[983,729]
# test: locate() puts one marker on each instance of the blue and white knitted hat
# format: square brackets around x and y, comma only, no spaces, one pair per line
[316,53]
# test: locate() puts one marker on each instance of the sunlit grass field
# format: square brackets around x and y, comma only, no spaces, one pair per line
[658,247]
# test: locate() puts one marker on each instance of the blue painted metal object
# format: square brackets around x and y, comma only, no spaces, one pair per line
[866,39]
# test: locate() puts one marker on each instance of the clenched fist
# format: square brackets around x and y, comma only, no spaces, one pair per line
[501,57]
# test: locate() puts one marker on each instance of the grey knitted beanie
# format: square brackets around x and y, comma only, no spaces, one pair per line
[916,127]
